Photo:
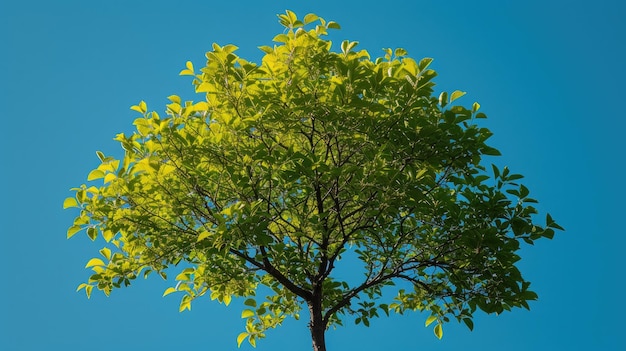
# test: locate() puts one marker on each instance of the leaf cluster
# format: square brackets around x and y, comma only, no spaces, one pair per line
[287,166]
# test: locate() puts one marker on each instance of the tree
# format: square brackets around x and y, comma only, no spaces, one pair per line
[310,160]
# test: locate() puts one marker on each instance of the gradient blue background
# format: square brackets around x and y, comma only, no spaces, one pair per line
[550,75]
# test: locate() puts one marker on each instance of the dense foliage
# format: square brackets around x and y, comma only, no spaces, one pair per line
[289,166]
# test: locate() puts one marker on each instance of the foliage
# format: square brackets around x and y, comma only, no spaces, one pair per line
[289,166]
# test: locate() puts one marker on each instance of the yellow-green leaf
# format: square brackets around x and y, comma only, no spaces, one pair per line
[185,303]
[189,71]
[95,174]
[107,235]
[109,177]
[94,262]
[73,230]
[247,313]
[241,337]
[310,18]
[203,236]
[174,98]
[430,319]
[475,107]
[106,253]
[457,94]
[333,25]
[169,291]
[141,108]
[70,202]
[438,331]
[281,38]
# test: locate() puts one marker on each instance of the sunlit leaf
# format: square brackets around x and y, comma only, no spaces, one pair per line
[475,107]
[106,253]
[310,18]
[456,94]
[94,262]
[70,202]
[429,320]
[95,174]
[73,230]
[247,313]
[241,337]
[203,236]
[169,291]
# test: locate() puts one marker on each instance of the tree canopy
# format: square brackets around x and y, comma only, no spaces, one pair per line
[310,160]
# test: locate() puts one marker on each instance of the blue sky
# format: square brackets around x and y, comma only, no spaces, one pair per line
[549,74]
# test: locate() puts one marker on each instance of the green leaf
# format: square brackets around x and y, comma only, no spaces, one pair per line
[70,202]
[100,155]
[94,262]
[438,331]
[496,171]
[92,233]
[333,25]
[247,313]
[241,337]
[429,320]
[490,151]
[469,323]
[250,302]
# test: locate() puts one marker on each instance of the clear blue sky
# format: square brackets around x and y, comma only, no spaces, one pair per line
[550,75]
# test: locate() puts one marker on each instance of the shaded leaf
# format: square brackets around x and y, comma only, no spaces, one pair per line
[438,331]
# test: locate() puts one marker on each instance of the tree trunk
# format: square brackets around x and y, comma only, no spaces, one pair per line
[317,325]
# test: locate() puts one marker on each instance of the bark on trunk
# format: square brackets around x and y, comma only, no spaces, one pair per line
[317,325]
